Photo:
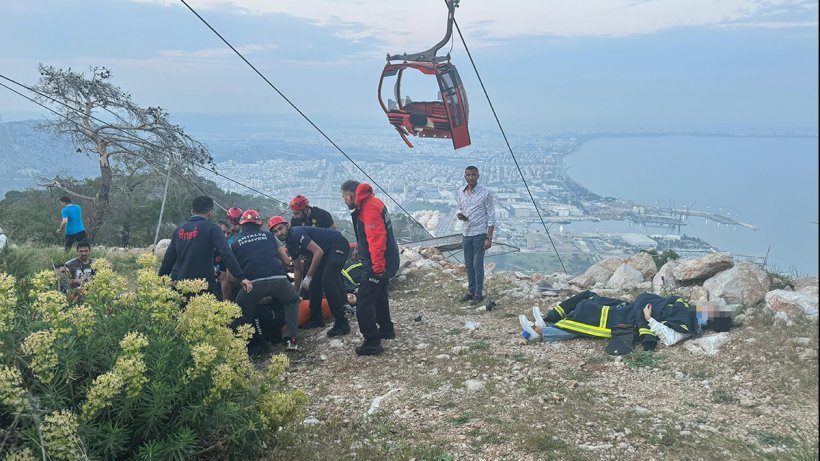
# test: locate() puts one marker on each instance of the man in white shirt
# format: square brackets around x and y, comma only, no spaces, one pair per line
[477,212]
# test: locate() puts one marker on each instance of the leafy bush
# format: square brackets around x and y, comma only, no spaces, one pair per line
[662,258]
[126,374]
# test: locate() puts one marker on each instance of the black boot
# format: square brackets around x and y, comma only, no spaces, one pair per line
[340,328]
[370,347]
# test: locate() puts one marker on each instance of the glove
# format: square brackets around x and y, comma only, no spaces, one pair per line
[306,282]
[376,279]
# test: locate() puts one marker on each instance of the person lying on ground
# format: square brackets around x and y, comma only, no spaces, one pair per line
[589,315]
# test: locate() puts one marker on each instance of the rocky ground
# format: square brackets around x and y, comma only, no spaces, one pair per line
[445,390]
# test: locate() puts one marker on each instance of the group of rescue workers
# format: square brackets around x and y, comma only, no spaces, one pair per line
[243,262]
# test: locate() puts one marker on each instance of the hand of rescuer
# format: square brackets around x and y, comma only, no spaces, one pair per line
[247,285]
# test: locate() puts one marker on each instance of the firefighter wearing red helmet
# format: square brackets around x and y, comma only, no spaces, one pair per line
[258,255]
[226,281]
[328,250]
[306,215]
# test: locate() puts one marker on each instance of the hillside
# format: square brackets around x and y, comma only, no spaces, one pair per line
[27,153]
[443,391]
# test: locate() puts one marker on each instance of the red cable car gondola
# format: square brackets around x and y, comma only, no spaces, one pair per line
[444,118]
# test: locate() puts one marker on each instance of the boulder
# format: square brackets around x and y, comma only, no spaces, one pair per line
[693,294]
[599,273]
[664,279]
[746,284]
[691,271]
[411,255]
[625,277]
[793,303]
[583,281]
[803,282]
[707,345]
[161,247]
[611,263]
[644,263]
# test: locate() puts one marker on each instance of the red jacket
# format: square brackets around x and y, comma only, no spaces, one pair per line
[378,250]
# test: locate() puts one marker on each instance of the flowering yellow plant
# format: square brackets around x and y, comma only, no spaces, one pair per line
[59,431]
[12,393]
[38,346]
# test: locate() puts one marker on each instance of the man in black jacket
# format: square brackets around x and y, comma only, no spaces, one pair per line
[192,249]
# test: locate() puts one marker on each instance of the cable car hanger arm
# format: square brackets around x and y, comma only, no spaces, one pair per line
[430,55]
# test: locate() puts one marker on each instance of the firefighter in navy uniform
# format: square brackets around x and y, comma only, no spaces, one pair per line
[258,255]
[329,250]
[306,215]
[193,247]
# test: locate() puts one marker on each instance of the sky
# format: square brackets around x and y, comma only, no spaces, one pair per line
[549,66]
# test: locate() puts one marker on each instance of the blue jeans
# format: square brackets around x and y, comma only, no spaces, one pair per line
[474,262]
[556,334]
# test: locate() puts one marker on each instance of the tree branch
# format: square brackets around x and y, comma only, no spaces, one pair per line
[59,185]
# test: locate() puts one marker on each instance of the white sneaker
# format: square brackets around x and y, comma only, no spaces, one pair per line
[526,325]
[539,319]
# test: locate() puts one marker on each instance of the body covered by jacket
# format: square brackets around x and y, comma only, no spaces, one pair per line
[378,250]
[592,315]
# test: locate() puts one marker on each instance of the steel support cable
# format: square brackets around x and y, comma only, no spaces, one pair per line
[124,132]
[282,95]
[521,173]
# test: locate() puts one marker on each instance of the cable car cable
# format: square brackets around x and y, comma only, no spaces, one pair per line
[124,132]
[261,75]
[521,173]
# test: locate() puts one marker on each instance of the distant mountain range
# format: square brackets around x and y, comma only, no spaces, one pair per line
[28,153]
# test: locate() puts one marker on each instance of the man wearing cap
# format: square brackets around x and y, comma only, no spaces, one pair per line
[258,255]
[329,250]
[306,215]
[193,247]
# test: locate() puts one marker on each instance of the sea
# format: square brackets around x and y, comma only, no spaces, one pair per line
[769,182]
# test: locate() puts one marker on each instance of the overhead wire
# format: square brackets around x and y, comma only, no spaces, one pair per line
[509,147]
[124,132]
[304,116]
[147,162]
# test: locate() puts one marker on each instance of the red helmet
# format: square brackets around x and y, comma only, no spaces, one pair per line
[250,216]
[274,220]
[300,202]
[234,214]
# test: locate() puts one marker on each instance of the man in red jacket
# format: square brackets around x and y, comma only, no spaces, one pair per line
[379,255]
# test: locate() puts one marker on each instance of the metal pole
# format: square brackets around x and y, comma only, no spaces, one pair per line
[162,208]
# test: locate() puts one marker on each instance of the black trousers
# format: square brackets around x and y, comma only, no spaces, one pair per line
[327,281]
[282,292]
[373,307]
[70,240]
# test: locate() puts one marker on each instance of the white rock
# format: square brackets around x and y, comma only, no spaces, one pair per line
[311,421]
[374,405]
[473,385]
[336,343]
[792,303]
[625,277]
[707,345]
[691,270]
[746,283]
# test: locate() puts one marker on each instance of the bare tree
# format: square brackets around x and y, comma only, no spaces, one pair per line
[101,118]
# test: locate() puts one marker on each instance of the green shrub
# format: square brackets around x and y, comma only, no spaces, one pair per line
[662,258]
[126,374]
[639,359]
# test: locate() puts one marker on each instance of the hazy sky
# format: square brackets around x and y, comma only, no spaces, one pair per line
[548,65]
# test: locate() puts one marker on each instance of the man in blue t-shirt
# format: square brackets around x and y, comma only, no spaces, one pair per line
[329,250]
[72,223]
